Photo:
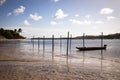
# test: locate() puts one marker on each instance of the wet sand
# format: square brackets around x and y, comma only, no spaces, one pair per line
[41,69]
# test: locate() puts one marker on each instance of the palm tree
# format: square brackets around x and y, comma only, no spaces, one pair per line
[1,31]
[19,30]
[15,30]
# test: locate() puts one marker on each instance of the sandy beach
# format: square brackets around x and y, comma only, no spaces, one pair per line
[41,69]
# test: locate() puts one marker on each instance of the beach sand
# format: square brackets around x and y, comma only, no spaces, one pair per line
[41,69]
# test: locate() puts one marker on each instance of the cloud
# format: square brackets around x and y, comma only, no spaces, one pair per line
[56,0]
[77,15]
[19,10]
[110,17]
[99,22]
[74,21]
[2,2]
[53,23]
[35,17]
[87,22]
[26,23]
[9,14]
[87,16]
[60,14]
[106,11]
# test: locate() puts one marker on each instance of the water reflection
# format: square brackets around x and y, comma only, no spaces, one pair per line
[91,62]
[67,63]
[101,60]
[38,51]
[83,58]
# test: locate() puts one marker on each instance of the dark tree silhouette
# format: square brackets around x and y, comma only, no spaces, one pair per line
[19,30]
[1,31]
[11,34]
[15,30]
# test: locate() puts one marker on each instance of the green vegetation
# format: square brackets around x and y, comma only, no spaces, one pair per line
[11,34]
[109,36]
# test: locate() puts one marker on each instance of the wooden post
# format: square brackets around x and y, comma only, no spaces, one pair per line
[52,47]
[83,39]
[38,43]
[102,39]
[33,41]
[67,52]
[67,44]
[60,44]
[101,49]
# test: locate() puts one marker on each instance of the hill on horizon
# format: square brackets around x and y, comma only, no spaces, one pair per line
[109,36]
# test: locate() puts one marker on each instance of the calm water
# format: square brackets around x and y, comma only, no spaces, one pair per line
[26,48]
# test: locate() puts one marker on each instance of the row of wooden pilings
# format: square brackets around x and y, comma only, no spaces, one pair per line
[68,45]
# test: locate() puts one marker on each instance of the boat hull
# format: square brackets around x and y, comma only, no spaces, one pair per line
[90,48]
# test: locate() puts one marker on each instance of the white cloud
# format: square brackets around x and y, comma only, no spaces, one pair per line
[87,16]
[9,14]
[35,17]
[87,22]
[110,17]
[2,2]
[56,0]
[106,11]
[60,14]
[74,21]
[53,23]
[19,10]
[99,22]
[26,23]
[77,15]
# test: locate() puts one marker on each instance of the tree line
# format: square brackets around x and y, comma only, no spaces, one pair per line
[11,34]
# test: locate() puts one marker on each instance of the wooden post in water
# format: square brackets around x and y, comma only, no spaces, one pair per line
[67,52]
[60,44]
[43,45]
[102,39]
[101,45]
[33,41]
[38,43]
[83,39]
[52,47]
[67,45]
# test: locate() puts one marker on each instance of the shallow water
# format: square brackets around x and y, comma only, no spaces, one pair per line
[27,48]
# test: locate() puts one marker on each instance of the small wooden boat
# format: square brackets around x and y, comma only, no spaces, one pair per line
[91,48]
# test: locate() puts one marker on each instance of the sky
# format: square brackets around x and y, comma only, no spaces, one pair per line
[47,17]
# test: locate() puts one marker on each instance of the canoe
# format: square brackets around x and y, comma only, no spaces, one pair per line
[91,48]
